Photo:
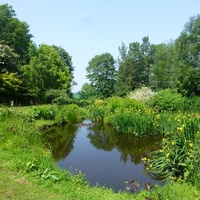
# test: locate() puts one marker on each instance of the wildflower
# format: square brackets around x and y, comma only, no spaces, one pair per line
[168,160]
[173,143]
[191,144]
[144,159]
[181,128]
[167,155]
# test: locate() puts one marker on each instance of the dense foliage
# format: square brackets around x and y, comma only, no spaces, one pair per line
[163,66]
[27,72]
[101,73]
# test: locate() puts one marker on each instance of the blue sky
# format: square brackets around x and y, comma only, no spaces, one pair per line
[85,28]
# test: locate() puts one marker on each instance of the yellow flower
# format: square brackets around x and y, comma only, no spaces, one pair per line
[173,142]
[181,128]
[144,159]
[168,160]
[191,144]
[167,155]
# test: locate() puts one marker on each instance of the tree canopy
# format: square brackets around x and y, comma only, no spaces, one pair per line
[188,58]
[134,66]
[14,33]
[101,73]
[46,71]
[31,71]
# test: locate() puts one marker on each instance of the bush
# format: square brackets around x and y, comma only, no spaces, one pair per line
[168,100]
[142,94]
[41,112]
[69,114]
[96,111]
[191,104]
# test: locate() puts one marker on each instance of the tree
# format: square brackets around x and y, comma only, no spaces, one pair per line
[162,70]
[122,53]
[67,61]
[14,33]
[87,91]
[142,54]
[65,57]
[46,71]
[134,66]
[8,59]
[126,79]
[10,82]
[101,73]
[188,58]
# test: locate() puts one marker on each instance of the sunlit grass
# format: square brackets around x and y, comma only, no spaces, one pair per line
[24,159]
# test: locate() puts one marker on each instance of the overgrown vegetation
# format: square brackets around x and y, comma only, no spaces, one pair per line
[164,113]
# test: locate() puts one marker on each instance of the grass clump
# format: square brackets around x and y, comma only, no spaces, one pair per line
[179,156]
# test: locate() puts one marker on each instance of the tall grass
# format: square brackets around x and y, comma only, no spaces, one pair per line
[179,156]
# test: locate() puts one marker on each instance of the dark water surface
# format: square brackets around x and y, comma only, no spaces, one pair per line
[105,157]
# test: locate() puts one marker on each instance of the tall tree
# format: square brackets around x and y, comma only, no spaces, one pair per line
[67,61]
[65,57]
[14,32]
[126,79]
[134,66]
[101,73]
[10,83]
[46,71]
[8,59]
[162,70]
[188,58]
[142,54]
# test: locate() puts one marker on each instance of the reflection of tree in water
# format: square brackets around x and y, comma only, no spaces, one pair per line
[135,148]
[99,137]
[60,140]
[130,146]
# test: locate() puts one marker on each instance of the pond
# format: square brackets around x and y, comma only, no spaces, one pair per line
[110,159]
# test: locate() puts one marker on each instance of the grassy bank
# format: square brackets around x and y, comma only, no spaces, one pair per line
[29,172]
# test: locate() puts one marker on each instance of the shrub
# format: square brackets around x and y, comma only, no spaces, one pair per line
[142,94]
[69,113]
[168,100]
[47,113]
[41,112]
[96,111]
[191,104]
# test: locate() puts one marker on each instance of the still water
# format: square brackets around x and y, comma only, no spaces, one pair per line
[105,157]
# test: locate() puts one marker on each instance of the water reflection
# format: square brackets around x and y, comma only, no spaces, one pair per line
[60,140]
[105,157]
[131,147]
